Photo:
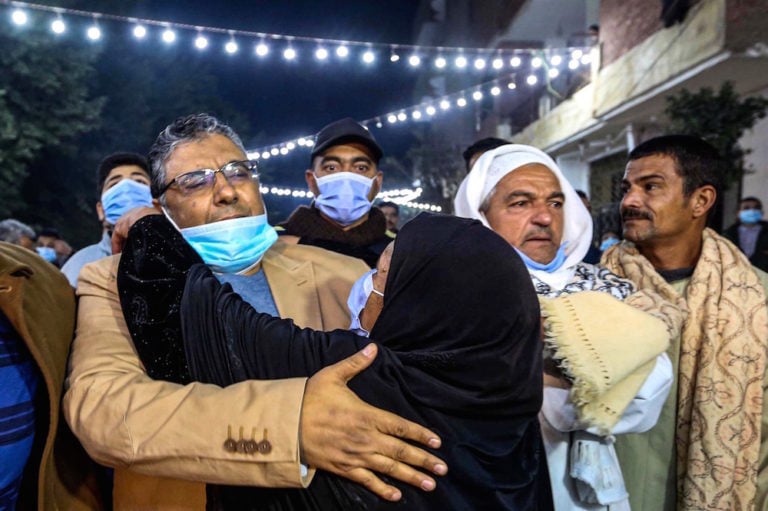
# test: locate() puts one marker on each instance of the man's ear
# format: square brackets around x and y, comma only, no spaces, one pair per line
[100,212]
[703,199]
[309,176]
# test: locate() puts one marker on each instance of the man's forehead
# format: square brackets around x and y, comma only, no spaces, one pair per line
[126,170]
[351,149]
[210,151]
[653,164]
[532,174]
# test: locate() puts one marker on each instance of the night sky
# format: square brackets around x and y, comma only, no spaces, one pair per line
[285,100]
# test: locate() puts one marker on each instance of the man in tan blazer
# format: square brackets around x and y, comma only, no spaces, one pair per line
[39,305]
[164,439]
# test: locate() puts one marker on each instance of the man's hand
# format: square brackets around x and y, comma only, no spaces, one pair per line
[124,224]
[345,436]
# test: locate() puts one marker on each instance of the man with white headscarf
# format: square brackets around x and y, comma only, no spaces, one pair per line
[597,383]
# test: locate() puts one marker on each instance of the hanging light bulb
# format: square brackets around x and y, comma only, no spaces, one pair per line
[392,118]
[461,102]
[498,63]
[477,95]
[201,42]
[414,60]
[93,33]
[290,146]
[321,53]
[289,53]
[368,57]
[274,151]
[58,26]
[461,62]
[531,80]
[431,110]
[480,64]
[19,17]
[401,116]
[231,46]
[556,60]
[515,61]
[511,86]
[262,49]
[342,51]
[139,31]
[573,64]
[265,155]
[416,115]
[495,90]
[445,104]
[393,56]
[576,54]
[169,36]
[536,62]
[553,72]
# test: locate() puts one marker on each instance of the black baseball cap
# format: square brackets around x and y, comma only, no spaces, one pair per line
[344,131]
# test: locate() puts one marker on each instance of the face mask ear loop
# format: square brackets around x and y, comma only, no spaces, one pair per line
[168,216]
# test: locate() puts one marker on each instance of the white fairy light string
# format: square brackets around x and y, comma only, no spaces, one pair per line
[403,197]
[422,112]
[293,47]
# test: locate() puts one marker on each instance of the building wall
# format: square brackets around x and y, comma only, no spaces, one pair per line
[755,183]
[624,25]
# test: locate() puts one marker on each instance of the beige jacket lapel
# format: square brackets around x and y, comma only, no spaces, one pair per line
[294,289]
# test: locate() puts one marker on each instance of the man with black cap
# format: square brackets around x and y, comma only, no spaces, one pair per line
[344,178]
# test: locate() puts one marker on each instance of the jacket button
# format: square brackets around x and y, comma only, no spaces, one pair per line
[264,447]
[230,445]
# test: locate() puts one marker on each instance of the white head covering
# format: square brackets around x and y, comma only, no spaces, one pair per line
[491,168]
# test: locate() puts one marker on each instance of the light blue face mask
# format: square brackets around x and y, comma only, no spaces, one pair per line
[750,216]
[47,253]
[608,243]
[358,297]
[551,266]
[124,196]
[230,246]
[344,196]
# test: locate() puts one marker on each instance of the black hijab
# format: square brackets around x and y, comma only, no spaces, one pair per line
[461,354]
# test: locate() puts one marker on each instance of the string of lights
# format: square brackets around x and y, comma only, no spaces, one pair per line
[292,47]
[403,197]
[421,112]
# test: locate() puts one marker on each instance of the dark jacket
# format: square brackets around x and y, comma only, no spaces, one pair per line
[760,258]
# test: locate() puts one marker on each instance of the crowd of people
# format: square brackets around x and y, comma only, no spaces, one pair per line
[197,357]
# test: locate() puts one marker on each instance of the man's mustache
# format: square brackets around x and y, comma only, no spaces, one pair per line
[632,214]
[539,231]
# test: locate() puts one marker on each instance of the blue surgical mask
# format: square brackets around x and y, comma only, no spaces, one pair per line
[124,196]
[344,196]
[608,243]
[230,246]
[750,216]
[551,266]
[47,253]
[358,297]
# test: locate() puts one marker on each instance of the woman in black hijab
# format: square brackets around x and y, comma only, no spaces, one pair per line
[459,352]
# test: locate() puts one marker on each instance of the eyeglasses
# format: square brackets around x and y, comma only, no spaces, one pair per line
[236,173]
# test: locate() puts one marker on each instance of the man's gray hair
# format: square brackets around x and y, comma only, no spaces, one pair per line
[185,129]
[486,204]
[12,230]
